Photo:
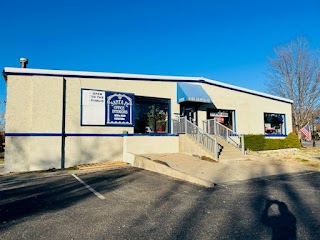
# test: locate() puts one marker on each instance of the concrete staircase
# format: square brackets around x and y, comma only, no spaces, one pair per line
[190,146]
[206,143]
[228,151]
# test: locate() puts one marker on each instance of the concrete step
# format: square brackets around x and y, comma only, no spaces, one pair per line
[232,152]
[228,150]
[223,158]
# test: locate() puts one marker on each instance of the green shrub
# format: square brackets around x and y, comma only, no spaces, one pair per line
[292,141]
[282,144]
[254,142]
[260,143]
[272,144]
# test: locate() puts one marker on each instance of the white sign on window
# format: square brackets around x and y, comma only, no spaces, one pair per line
[218,114]
[93,107]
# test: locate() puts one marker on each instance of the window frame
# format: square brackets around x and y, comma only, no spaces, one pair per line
[284,125]
[154,101]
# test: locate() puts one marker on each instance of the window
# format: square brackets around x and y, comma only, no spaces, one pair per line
[225,117]
[151,115]
[274,124]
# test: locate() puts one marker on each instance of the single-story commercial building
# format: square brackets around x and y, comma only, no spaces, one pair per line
[58,118]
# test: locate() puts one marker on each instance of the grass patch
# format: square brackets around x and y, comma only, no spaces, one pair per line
[1,157]
[302,160]
[314,165]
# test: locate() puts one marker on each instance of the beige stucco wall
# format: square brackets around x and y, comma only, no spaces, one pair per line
[81,150]
[17,154]
[139,88]
[151,144]
[45,153]
[19,104]
[34,105]
[249,108]
[46,104]
[43,98]
[202,116]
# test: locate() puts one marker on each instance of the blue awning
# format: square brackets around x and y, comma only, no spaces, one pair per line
[191,93]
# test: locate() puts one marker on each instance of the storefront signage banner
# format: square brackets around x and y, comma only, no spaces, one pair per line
[199,99]
[218,114]
[119,108]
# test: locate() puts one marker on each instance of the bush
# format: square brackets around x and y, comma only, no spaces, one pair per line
[260,143]
[292,141]
[272,144]
[254,142]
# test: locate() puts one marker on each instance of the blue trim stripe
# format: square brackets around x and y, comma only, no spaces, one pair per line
[33,134]
[89,135]
[153,134]
[275,135]
[93,135]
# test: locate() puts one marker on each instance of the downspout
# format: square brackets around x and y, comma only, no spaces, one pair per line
[63,131]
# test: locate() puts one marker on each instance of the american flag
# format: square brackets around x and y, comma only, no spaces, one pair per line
[306,131]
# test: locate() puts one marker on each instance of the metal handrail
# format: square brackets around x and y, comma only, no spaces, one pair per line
[183,125]
[211,126]
[178,125]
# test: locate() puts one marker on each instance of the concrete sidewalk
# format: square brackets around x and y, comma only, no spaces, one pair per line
[227,170]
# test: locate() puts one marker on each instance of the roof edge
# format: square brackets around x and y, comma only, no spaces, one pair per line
[34,71]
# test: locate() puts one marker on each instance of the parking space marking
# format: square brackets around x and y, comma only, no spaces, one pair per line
[88,187]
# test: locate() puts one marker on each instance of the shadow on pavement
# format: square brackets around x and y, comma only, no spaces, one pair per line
[19,199]
[145,205]
[277,216]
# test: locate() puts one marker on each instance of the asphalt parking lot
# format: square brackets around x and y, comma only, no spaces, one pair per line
[136,204]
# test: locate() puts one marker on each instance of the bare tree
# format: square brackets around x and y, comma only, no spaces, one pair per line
[294,73]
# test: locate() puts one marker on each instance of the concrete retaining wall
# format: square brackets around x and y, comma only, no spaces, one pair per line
[150,165]
[189,146]
[151,144]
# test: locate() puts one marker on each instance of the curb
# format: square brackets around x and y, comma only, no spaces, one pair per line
[104,165]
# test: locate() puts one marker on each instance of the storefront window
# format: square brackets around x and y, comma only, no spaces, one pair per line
[225,117]
[151,115]
[274,123]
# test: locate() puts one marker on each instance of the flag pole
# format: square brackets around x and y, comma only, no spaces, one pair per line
[312,135]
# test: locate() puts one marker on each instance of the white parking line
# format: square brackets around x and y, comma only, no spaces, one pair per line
[87,186]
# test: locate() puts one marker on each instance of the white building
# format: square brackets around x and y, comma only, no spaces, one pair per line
[60,119]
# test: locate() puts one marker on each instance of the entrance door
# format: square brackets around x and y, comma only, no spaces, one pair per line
[191,115]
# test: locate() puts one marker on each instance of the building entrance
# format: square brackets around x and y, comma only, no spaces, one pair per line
[190,112]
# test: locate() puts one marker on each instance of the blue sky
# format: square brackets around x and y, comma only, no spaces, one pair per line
[228,41]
